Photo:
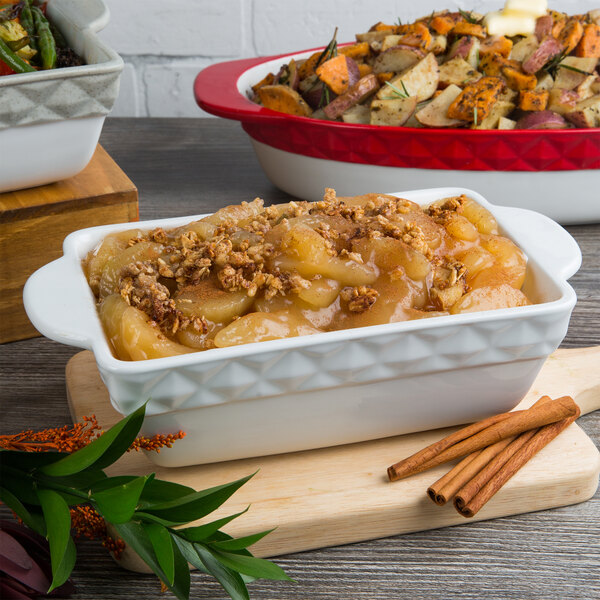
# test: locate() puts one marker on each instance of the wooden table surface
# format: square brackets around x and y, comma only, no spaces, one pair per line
[185,167]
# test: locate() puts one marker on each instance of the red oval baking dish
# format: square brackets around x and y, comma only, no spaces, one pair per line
[533,169]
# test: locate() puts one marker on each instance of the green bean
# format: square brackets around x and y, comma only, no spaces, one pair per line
[58,36]
[26,19]
[46,42]
[17,64]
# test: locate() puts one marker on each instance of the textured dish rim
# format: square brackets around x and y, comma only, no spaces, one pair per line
[114,62]
[75,248]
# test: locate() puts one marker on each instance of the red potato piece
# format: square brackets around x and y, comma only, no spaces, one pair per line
[421,80]
[467,48]
[435,114]
[393,112]
[317,96]
[544,119]
[397,59]
[562,101]
[360,91]
[586,113]
[547,50]
[543,26]
[339,73]
[284,99]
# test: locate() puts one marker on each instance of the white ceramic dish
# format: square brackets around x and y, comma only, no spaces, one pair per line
[50,121]
[330,388]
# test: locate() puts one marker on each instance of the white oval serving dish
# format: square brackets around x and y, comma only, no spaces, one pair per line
[50,121]
[331,388]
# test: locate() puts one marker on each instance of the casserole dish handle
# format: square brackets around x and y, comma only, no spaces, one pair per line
[557,251]
[59,305]
[91,14]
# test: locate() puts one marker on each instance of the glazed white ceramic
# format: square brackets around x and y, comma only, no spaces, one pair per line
[331,388]
[50,121]
[568,197]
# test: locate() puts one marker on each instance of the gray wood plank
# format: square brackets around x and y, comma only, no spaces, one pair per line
[191,166]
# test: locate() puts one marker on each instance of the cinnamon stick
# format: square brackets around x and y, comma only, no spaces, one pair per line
[501,428]
[444,488]
[470,468]
[540,439]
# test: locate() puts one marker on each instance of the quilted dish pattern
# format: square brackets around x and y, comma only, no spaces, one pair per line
[432,149]
[58,99]
[318,366]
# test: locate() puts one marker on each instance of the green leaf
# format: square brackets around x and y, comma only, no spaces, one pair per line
[58,533]
[20,484]
[202,532]
[230,580]
[27,461]
[250,565]
[32,520]
[65,567]
[135,536]
[240,543]
[182,572]
[118,503]
[103,451]
[197,505]
[159,490]
[163,548]
[189,552]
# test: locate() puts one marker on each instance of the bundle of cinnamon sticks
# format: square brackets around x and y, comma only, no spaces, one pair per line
[494,450]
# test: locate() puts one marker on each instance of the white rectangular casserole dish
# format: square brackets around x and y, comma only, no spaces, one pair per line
[330,388]
[50,121]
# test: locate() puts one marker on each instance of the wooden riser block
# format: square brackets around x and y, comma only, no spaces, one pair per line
[34,223]
[339,495]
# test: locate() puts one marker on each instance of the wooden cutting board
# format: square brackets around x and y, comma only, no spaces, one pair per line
[339,495]
[34,222]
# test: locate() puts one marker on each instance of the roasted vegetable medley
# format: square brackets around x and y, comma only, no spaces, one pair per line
[446,70]
[30,42]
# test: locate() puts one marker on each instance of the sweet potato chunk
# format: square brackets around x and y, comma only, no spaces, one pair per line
[441,24]
[570,36]
[533,99]
[517,80]
[477,99]
[356,51]
[283,99]
[496,44]
[589,45]
[338,73]
[466,28]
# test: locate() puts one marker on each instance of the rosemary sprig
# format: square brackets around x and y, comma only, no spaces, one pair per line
[475,119]
[431,17]
[399,22]
[402,93]
[468,16]
[330,50]
[146,513]
[552,65]
[572,68]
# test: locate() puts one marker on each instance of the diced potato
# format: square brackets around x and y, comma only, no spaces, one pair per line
[544,81]
[524,48]
[393,112]
[498,111]
[435,113]
[457,72]
[397,58]
[490,298]
[144,341]
[421,80]
[261,327]
[207,300]
[569,79]
[143,251]
[505,123]
[357,114]
[586,113]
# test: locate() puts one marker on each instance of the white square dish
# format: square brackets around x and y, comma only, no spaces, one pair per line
[330,388]
[50,121]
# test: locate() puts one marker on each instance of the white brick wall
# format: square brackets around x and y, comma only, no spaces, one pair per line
[165,43]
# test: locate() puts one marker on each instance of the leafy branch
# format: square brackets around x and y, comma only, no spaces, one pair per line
[147,513]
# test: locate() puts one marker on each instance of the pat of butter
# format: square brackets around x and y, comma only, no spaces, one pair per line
[509,24]
[534,8]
